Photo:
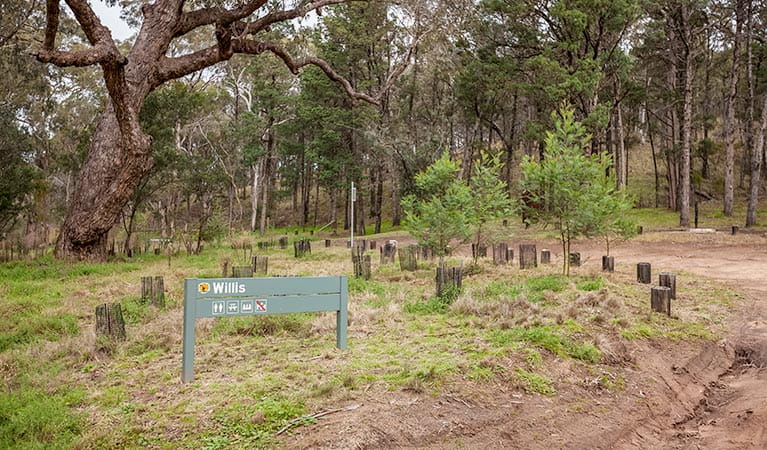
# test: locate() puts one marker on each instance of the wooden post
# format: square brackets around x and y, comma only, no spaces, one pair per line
[225,268]
[575,259]
[388,251]
[242,271]
[372,245]
[408,259]
[109,322]
[735,230]
[528,256]
[668,279]
[640,230]
[644,273]
[478,251]
[608,264]
[260,265]
[510,254]
[449,280]
[361,266]
[426,253]
[500,254]
[545,256]
[301,248]
[660,299]
[284,242]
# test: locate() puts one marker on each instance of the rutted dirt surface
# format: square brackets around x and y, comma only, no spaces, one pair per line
[677,395]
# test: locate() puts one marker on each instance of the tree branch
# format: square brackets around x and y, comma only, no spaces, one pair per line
[207,16]
[258,47]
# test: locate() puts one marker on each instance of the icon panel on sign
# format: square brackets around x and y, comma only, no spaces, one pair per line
[246,306]
[233,307]
[218,308]
[261,306]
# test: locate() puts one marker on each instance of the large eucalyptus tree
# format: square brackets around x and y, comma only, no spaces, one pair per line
[119,152]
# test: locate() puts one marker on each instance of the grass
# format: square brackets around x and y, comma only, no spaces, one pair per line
[256,374]
[549,339]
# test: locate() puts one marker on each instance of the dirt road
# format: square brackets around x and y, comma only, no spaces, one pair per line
[677,395]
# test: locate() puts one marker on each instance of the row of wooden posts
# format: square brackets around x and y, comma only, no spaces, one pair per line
[662,294]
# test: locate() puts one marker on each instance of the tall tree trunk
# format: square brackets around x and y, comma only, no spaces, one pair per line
[621,170]
[266,175]
[255,172]
[115,166]
[684,213]
[756,168]
[728,127]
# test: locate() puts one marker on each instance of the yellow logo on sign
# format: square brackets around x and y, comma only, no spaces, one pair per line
[203,288]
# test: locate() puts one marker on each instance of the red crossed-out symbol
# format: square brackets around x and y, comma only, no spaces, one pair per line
[261,305]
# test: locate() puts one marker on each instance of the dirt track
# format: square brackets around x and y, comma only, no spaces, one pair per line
[676,396]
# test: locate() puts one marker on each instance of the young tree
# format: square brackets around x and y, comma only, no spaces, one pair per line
[570,189]
[439,211]
[490,198]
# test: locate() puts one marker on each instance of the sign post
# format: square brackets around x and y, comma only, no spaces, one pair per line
[228,297]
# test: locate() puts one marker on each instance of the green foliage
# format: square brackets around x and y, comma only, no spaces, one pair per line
[18,178]
[545,337]
[439,211]
[490,197]
[570,190]
[591,285]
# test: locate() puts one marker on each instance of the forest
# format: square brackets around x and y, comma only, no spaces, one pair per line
[272,132]
[379,224]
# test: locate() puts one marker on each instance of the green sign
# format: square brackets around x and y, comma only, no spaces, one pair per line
[228,297]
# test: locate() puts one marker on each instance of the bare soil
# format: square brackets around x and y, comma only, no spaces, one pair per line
[677,394]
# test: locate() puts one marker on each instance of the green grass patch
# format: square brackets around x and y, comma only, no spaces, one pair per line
[31,418]
[594,284]
[547,338]
[534,383]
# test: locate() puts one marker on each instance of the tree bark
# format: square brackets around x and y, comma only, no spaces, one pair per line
[756,169]
[728,127]
[684,213]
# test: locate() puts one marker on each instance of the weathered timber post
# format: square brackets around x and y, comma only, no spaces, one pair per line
[110,324]
[242,271]
[361,244]
[153,291]
[528,256]
[408,259]
[372,245]
[668,279]
[608,264]
[510,254]
[361,266]
[644,273]
[225,268]
[261,264]
[478,251]
[388,251]
[575,259]
[426,253]
[545,256]
[449,280]
[735,230]
[640,229]
[660,299]
[284,242]
[500,254]
[302,247]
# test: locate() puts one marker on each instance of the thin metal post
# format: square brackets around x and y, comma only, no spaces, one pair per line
[190,317]
[342,316]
